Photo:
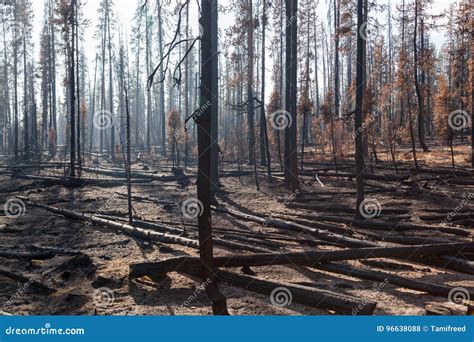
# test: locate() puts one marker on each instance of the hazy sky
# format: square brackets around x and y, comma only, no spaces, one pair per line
[125,10]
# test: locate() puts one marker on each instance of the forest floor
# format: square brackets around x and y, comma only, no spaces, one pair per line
[96,281]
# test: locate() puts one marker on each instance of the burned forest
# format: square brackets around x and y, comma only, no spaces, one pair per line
[236,157]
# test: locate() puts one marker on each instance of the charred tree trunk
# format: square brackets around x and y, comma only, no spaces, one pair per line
[291,154]
[209,71]
[250,90]
[72,91]
[360,80]
[421,115]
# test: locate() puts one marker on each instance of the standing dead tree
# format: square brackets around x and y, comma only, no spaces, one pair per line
[360,80]
[291,153]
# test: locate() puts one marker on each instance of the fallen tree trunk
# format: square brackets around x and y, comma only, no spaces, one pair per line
[26,255]
[23,279]
[339,208]
[190,264]
[418,285]
[146,234]
[446,262]
[76,182]
[385,178]
[284,293]
[322,234]
[136,175]
[217,241]
[321,299]
[372,224]
[134,231]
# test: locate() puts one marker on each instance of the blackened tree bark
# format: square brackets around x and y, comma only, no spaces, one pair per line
[265,151]
[72,92]
[162,85]
[291,154]
[360,80]
[209,71]
[336,58]
[421,115]
[111,94]
[128,159]
[250,93]
[15,81]
[78,92]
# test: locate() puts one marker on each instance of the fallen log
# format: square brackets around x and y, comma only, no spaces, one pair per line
[217,241]
[320,225]
[137,175]
[321,299]
[145,234]
[418,285]
[386,178]
[190,264]
[446,262]
[76,182]
[372,224]
[26,255]
[338,208]
[322,234]
[23,279]
[441,217]
[134,231]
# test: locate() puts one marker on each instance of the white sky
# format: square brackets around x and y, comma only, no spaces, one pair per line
[125,10]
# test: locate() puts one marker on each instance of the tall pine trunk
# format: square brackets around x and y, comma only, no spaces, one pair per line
[360,80]
[291,153]
[209,72]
